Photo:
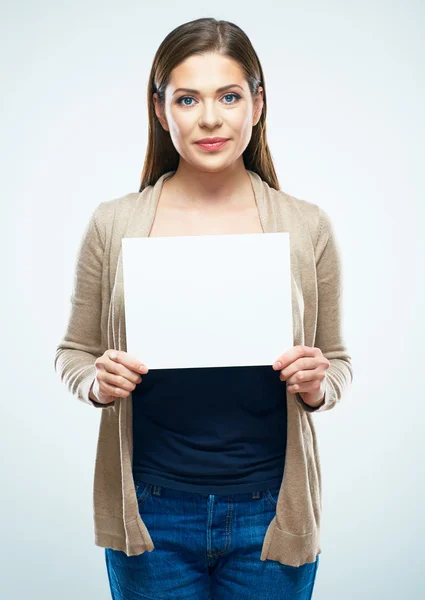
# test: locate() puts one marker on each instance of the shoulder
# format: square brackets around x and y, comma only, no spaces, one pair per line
[309,213]
[115,207]
[110,213]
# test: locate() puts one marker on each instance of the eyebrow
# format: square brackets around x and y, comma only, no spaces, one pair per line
[220,89]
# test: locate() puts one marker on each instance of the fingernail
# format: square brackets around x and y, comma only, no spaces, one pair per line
[277,365]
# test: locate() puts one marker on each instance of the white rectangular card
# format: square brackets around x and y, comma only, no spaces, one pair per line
[208,301]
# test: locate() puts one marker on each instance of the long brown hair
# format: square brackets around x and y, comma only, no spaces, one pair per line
[198,37]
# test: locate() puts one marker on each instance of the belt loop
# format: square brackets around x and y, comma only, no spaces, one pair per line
[157,490]
[255,495]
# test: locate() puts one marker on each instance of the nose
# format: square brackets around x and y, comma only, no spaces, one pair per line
[210,116]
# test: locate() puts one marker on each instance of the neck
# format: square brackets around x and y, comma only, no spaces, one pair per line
[193,188]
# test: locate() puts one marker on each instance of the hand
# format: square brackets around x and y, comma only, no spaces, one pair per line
[117,374]
[304,370]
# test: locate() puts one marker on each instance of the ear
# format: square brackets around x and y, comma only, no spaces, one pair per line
[258,106]
[160,112]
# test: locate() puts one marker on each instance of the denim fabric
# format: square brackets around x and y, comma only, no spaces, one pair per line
[207,547]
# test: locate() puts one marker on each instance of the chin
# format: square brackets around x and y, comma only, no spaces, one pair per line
[213,163]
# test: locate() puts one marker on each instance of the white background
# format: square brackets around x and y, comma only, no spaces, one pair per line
[345,86]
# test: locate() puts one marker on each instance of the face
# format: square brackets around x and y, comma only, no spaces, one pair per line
[192,115]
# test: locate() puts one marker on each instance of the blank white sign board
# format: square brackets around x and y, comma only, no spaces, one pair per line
[207,301]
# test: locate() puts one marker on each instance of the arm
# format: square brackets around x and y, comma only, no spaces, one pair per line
[81,344]
[329,336]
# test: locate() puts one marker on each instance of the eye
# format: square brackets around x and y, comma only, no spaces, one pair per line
[182,98]
[232,94]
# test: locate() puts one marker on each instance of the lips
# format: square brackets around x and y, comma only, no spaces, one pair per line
[214,146]
[213,140]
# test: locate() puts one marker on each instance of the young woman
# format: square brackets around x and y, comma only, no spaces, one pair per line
[207,481]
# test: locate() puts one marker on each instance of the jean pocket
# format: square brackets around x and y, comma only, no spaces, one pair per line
[272,494]
[143,490]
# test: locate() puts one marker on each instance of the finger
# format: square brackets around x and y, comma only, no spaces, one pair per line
[302,364]
[114,391]
[134,363]
[307,386]
[304,377]
[119,382]
[129,361]
[117,368]
[293,354]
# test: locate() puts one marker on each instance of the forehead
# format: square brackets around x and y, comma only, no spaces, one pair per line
[206,73]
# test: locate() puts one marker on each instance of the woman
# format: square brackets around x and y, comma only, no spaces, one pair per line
[207,481]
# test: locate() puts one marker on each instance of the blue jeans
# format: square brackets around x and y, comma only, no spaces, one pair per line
[207,547]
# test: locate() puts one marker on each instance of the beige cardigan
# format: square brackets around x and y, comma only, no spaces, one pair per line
[97,322]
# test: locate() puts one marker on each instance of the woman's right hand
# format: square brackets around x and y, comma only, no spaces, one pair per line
[117,374]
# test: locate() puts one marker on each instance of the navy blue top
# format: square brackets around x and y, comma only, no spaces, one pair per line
[218,430]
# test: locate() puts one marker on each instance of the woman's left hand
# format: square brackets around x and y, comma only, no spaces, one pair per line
[304,370]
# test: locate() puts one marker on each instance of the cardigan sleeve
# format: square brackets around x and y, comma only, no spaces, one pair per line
[329,334]
[81,343]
